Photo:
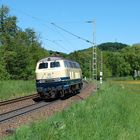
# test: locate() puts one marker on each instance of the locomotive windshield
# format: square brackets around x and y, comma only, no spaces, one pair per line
[43,65]
[54,64]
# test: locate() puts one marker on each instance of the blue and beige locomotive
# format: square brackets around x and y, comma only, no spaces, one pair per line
[56,77]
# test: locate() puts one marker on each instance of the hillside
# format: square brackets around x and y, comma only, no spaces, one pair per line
[21,49]
[117,61]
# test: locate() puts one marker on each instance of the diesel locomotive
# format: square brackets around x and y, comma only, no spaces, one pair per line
[57,76]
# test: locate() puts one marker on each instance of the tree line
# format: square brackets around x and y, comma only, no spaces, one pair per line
[118,60]
[21,49]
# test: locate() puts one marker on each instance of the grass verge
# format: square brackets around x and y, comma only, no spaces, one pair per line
[11,89]
[110,114]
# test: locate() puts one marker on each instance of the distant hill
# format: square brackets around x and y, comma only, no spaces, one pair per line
[113,47]
[118,59]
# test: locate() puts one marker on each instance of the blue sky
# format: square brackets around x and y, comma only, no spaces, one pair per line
[116,20]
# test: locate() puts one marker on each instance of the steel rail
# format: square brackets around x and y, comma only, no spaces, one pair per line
[17,99]
[21,111]
[29,108]
[25,97]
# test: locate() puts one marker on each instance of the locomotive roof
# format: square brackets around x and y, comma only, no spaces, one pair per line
[53,59]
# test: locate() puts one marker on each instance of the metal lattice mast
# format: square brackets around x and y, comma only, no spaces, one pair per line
[94,66]
[94,52]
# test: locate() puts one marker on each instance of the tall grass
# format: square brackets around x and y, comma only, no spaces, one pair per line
[110,114]
[120,78]
[11,89]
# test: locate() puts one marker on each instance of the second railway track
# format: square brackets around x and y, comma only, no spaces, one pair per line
[27,97]
[4,116]
[18,99]
[21,111]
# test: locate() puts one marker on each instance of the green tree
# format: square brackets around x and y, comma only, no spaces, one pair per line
[132,56]
[4,75]
[107,71]
[118,65]
[8,27]
[22,49]
[113,47]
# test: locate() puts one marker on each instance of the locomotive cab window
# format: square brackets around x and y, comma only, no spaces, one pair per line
[43,65]
[54,64]
[77,65]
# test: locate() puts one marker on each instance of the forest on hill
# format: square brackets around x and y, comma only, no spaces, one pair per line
[21,49]
[117,62]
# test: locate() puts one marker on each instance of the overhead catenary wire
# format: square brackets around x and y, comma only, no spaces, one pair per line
[72,33]
[56,43]
[63,36]
[50,46]
[43,22]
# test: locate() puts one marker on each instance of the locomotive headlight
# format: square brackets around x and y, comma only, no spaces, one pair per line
[57,79]
[42,81]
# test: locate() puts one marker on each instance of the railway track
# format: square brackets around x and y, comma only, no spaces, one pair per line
[28,97]
[21,111]
[28,108]
[18,99]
